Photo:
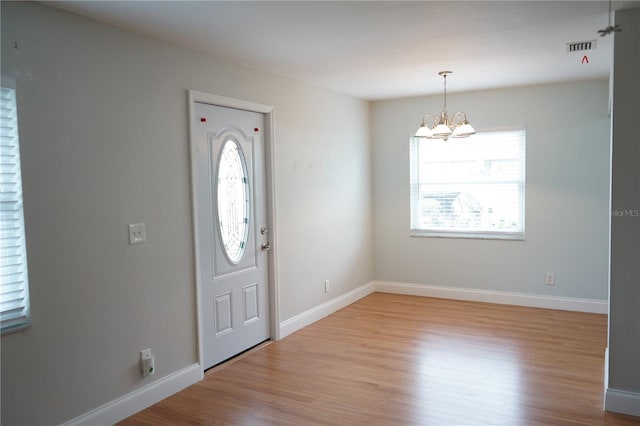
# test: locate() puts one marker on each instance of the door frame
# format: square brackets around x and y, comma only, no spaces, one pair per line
[269,162]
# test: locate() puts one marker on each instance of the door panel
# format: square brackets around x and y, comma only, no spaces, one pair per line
[250,303]
[222,309]
[231,212]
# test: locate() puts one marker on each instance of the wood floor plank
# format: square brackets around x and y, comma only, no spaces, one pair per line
[405,360]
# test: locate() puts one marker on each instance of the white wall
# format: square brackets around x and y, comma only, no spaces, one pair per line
[623,393]
[566,193]
[103,132]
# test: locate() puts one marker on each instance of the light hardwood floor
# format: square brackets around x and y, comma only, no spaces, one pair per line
[404,360]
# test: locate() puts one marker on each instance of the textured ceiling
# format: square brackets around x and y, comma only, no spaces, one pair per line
[377,50]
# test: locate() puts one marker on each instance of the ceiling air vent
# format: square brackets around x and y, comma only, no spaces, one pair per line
[580,46]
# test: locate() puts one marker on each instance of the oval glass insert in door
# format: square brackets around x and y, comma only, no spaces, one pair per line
[233,200]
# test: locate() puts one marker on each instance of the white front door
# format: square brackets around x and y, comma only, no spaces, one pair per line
[231,227]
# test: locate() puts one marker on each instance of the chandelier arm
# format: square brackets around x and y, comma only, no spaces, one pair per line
[458,118]
[433,120]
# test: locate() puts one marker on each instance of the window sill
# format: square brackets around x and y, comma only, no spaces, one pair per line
[511,236]
[16,328]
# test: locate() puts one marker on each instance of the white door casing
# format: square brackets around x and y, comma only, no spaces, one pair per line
[227,145]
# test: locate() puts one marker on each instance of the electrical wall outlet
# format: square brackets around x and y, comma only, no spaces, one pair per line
[147,363]
[137,233]
[327,286]
[550,278]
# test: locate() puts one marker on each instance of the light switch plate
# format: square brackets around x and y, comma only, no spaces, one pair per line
[137,233]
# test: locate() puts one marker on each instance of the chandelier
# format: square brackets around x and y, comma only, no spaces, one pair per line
[443,127]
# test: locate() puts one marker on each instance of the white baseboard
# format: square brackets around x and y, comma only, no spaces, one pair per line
[501,297]
[505,298]
[318,312]
[623,402]
[606,369]
[131,403]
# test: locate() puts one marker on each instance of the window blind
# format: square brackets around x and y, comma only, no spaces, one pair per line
[472,187]
[14,293]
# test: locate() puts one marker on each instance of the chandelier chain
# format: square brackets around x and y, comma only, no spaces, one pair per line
[445,92]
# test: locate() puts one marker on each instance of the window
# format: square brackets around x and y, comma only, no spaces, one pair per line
[470,187]
[233,200]
[14,287]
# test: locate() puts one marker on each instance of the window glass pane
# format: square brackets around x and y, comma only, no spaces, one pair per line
[233,200]
[469,187]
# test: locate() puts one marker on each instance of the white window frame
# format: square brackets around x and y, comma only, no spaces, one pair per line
[489,230]
[14,282]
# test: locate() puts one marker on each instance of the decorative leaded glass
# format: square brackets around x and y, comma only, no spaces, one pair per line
[233,200]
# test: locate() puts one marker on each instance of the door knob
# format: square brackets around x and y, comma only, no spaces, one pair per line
[266,246]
